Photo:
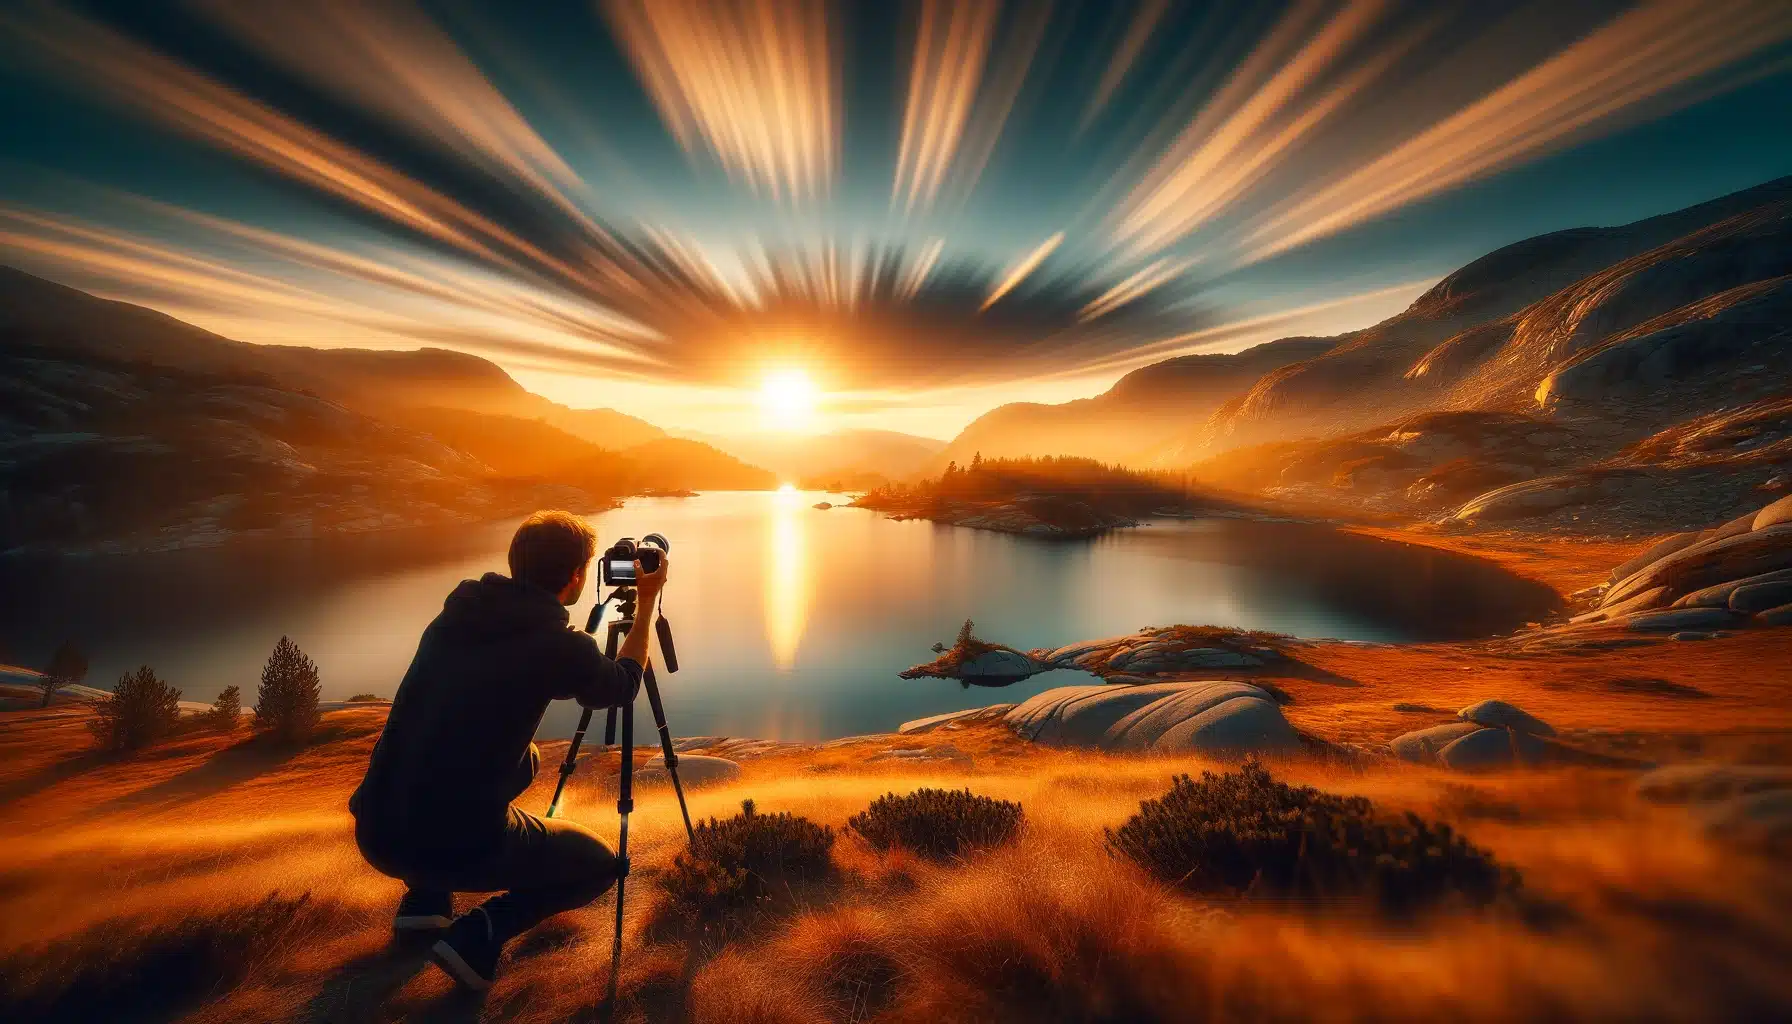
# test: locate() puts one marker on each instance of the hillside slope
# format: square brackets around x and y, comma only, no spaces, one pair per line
[1590,322]
[1134,419]
[66,320]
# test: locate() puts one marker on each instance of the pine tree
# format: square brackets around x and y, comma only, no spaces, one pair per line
[227,711]
[67,667]
[965,636]
[286,704]
[140,710]
[976,461]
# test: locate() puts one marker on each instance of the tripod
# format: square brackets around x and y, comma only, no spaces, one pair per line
[625,620]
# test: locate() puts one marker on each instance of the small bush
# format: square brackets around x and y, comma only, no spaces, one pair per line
[361,698]
[937,823]
[286,704]
[736,862]
[1243,833]
[139,711]
[124,970]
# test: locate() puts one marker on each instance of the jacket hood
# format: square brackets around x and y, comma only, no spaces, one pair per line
[496,605]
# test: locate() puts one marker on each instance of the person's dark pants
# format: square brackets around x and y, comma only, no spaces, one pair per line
[541,868]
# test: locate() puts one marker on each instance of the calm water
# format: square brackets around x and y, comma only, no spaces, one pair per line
[791,622]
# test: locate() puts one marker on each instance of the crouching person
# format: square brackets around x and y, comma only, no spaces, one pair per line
[435,809]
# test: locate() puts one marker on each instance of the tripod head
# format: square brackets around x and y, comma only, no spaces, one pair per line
[627,600]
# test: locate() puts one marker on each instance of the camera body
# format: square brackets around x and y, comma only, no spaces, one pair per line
[619,558]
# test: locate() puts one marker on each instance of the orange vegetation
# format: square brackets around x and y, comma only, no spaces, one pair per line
[1632,914]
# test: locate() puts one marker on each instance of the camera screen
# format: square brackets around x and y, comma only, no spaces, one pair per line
[622,569]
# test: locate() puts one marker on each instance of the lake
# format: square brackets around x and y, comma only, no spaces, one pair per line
[791,622]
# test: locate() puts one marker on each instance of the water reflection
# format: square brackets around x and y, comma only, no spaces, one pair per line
[791,622]
[787,583]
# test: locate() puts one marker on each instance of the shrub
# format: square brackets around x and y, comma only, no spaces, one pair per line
[286,704]
[937,823]
[742,860]
[124,970]
[140,710]
[361,698]
[227,711]
[67,666]
[1243,833]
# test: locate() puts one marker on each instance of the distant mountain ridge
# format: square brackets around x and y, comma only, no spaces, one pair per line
[842,454]
[52,315]
[122,429]
[1131,421]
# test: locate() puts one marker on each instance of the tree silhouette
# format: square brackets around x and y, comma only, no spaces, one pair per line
[227,711]
[67,667]
[140,710]
[286,704]
[966,636]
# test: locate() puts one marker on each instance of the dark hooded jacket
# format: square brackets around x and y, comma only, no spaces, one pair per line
[456,749]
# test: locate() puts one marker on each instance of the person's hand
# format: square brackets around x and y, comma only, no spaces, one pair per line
[648,585]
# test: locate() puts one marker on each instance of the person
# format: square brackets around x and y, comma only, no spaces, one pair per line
[435,809]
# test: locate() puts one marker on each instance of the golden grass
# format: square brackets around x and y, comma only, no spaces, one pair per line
[1635,915]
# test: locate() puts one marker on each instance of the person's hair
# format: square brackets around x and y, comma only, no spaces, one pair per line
[549,548]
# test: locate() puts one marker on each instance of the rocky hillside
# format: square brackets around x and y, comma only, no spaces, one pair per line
[840,456]
[71,322]
[1132,421]
[123,429]
[1584,324]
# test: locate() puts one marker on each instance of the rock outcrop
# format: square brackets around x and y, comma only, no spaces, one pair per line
[1219,717]
[1732,576]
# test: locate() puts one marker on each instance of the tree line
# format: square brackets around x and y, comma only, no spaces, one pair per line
[143,708]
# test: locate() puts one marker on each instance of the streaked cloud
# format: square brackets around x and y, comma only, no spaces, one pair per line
[756,81]
[1609,75]
[1026,265]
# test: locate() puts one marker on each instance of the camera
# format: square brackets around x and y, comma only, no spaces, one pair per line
[619,558]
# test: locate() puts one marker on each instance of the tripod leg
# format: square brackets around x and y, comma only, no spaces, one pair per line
[625,803]
[666,751]
[571,762]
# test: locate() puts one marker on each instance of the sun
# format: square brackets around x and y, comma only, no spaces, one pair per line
[787,399]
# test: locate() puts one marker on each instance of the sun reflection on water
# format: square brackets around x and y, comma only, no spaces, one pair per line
[787,583]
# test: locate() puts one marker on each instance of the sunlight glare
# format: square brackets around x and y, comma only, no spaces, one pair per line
[787,399]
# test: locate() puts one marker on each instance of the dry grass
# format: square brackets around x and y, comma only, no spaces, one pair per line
[1635,915]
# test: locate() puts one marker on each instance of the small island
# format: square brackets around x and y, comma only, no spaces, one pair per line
[1052,497]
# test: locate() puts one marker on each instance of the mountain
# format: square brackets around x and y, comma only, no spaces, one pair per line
[844,455]
[1626,379]
[69,321]
[1566,324]
[1133,420]
[677,463]
[123,429]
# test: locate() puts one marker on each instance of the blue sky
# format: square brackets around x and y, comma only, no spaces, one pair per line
[928,208]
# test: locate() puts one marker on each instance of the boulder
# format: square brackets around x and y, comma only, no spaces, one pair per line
[1758,597]
[1719,596]
[1781,616]
[1776,514]
[1421,745]
[1079,716]
[1634,603]
[1715,561]
[1242,725]
[999,664]
[1660,549]
[1498,714]
[1492,748]
[1142,727]
[1526,498]
[1688,783]
[693,770]
[1674,619]
[921,725]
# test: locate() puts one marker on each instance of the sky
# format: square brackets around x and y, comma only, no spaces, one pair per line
[746,214]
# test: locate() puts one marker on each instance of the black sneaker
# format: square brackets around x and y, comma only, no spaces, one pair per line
[469,952]
[423,911]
